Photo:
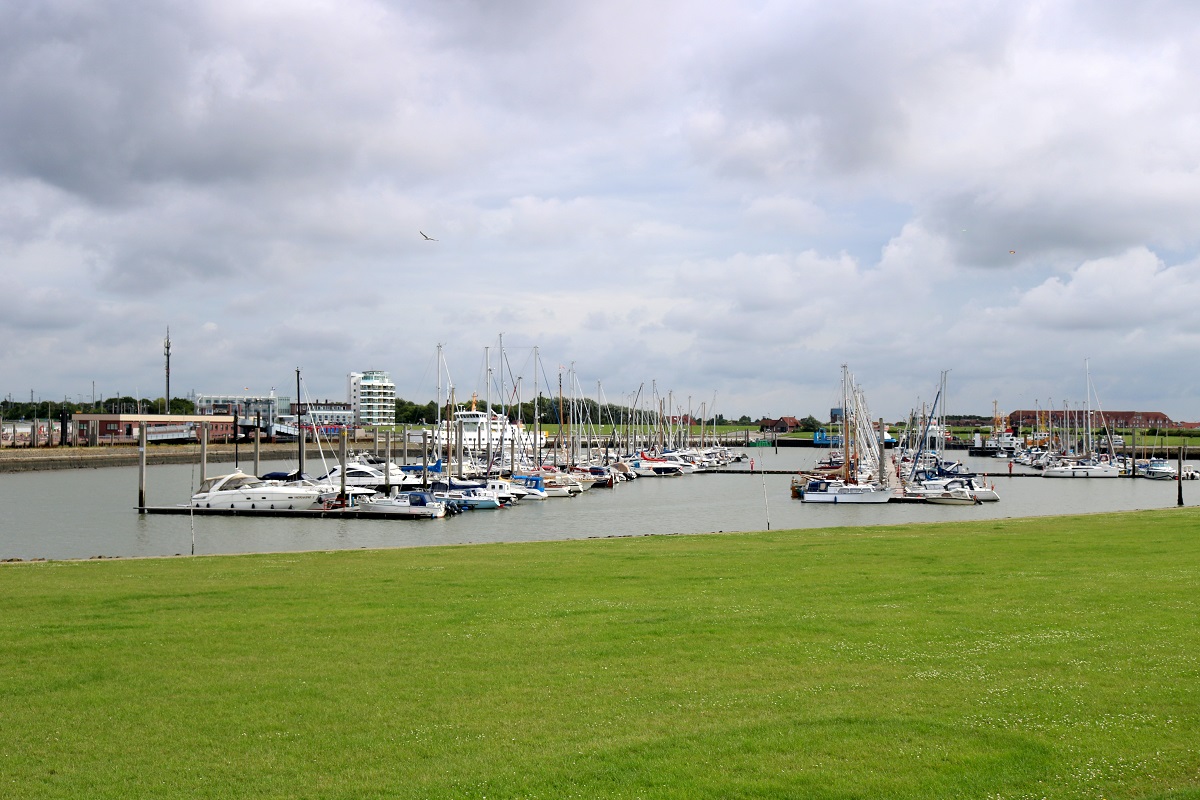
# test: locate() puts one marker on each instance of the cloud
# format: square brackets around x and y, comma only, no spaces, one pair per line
[709,197]
[1134,290]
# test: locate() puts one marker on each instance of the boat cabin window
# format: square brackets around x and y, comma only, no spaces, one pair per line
[242,482]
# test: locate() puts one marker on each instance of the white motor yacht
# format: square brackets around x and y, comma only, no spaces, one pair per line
[1158,469]
[242,491]
[371,476]
[1083,468]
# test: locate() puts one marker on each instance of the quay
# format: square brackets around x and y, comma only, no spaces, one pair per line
[302,513]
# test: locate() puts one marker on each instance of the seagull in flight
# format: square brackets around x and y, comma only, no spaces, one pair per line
[428,238]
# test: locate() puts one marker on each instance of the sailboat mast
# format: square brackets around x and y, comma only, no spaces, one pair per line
[487,413]
[560,418]
[299,427]
[845,429]
[537,422]
[437,422]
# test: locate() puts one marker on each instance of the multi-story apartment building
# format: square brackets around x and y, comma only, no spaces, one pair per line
[372,396]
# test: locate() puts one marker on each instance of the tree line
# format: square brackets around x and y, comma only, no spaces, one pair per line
[53,409]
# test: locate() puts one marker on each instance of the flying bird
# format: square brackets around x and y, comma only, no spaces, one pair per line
[428,238]
[1012,252]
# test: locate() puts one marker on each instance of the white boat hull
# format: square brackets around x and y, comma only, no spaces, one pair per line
[1082,471]
[839,493]
[403,507]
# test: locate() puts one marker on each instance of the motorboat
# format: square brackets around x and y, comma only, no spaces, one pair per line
[957,496]
[473,498]
[647,467]
[823,490]
[533,485]
[406,477]
[507,491]
[1158,469]
[560,484]
[604,477]
[249,492]
[975,489]
[1082,468]
[686,466]
[370,476]
[623,471]
[416,505]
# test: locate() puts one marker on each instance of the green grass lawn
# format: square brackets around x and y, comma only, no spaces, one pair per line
[1001,659]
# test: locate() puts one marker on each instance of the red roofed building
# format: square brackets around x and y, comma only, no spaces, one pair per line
[1116,419]
[781,425]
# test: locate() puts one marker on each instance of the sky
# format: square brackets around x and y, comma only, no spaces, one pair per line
[704,201]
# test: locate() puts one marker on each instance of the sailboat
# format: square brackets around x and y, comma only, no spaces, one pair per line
[861,467]
[1087,464]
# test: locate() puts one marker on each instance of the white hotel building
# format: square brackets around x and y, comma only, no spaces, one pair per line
[372,397]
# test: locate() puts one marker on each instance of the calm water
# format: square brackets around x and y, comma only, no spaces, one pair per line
[85,513]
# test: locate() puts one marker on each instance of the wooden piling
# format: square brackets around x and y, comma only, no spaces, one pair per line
[142,468]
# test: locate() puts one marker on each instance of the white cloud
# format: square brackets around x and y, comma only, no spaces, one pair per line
[711,196]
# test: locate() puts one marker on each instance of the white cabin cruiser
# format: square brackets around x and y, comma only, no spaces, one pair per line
[371,476]
[241,491]
[1083,468]
[1158,469]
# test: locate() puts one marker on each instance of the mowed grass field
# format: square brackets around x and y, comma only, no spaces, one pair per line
[1029,658]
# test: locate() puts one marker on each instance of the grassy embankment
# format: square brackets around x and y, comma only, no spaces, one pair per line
[1006,658]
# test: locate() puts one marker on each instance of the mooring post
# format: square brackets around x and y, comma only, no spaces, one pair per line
[1179,478]
[203,452]
[387,464]
[299,446]
[425,459]
[257,442]
[342,456]
[142,467]
[458,451]
[883,476]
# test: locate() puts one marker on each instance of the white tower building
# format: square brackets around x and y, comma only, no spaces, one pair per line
[372,397]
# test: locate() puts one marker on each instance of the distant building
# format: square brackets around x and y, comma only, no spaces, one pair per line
[781,425]
[247,408]
[326,415]
[1141,420]
[107,428]
[372,397]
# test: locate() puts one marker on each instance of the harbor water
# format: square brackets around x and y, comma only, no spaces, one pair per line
[78,514]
